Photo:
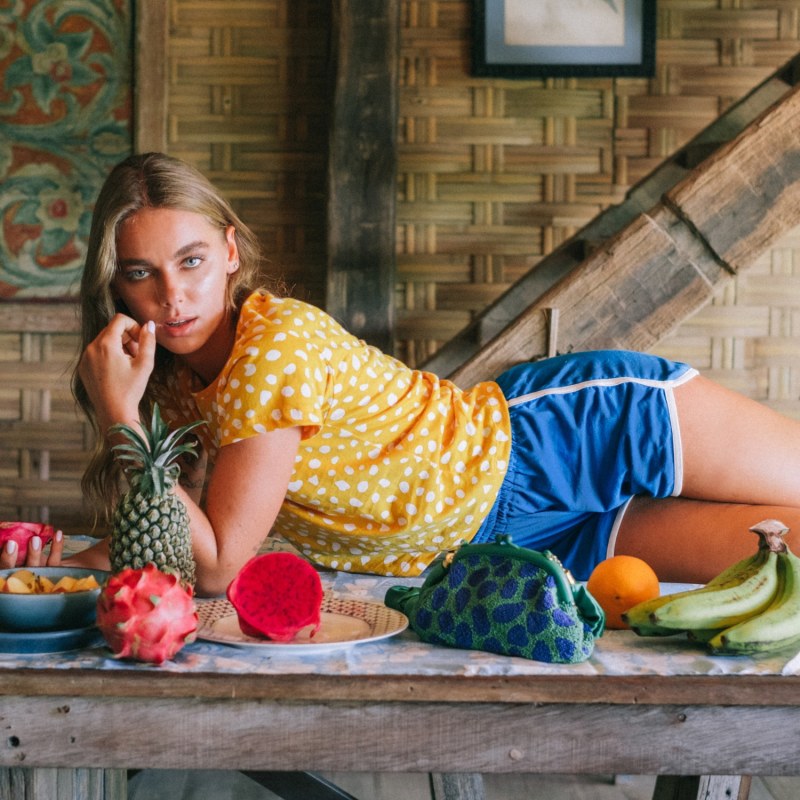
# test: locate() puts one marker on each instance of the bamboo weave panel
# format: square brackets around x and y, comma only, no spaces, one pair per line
[44,443]
[247,104]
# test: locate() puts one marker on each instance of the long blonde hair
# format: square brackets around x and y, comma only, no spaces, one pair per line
[148,180]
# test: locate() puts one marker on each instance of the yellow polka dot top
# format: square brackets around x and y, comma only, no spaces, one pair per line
[395,465]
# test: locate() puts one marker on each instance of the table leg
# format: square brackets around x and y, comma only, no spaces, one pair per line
[457,786]
[46,783]
[702,787]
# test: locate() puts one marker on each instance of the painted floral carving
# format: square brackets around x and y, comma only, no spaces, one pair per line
[65,120]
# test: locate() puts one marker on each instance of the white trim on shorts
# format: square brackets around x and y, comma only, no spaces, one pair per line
[576,387]
[612,539]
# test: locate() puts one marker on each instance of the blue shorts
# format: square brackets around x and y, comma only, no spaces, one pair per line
[589,431]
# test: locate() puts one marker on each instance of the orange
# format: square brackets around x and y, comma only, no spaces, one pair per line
[619,583]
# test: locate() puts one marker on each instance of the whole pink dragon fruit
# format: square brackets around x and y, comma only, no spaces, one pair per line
[146,614]
[21,533]
[275,595]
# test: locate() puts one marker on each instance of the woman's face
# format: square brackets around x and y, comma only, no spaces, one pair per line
[173,268]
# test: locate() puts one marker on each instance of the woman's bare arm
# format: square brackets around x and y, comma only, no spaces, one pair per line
[245,492]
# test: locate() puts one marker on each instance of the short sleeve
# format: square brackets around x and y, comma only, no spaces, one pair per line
[276,378]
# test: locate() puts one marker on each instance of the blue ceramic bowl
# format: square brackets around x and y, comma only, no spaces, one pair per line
[29,613]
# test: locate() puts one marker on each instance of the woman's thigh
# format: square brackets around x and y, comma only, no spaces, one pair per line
[694,540]
[735,449]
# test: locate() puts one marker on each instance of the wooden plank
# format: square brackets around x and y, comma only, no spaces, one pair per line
[458,786]
[150,71]
[627,294]
[40,317]
[399,737]
[37,435]
[642,690]
[747,193]
[362,168]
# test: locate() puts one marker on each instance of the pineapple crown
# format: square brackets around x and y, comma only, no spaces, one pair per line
[149,459]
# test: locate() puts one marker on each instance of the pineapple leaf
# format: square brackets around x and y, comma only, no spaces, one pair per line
[136,439]
[149,456]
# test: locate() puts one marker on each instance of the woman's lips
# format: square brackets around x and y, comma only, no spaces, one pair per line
[177,327]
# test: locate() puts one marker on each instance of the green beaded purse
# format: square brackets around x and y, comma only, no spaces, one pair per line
[504,599]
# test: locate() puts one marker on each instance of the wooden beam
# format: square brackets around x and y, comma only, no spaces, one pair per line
[748,193]
[635,287]
[362,168]
[151,22]
[627,294]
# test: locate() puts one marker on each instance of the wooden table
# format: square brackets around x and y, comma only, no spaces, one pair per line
[393,714]
[727,725]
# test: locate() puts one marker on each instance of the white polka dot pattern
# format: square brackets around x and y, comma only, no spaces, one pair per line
[395,465]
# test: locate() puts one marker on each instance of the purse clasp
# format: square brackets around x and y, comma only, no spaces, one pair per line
[556,560]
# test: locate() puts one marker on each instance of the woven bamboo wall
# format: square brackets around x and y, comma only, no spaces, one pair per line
[247,104]
[43,441]
[492,175]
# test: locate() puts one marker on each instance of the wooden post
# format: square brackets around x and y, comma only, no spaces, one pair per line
[150,87]
[362,168]
[705,787]
[457,786]
[19,783]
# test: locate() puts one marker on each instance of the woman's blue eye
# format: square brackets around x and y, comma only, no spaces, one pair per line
[136,274]
[193,261]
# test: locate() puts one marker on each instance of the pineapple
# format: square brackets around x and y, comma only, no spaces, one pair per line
[151,523]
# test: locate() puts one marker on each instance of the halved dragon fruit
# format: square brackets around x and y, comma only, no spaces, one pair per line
[21,533]
[276,595]
[146,614]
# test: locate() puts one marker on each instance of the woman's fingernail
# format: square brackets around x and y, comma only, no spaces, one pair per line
[59,536]
[151,326]
[11,547]
[36,542]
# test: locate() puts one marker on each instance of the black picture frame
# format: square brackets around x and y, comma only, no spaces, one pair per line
[631,54]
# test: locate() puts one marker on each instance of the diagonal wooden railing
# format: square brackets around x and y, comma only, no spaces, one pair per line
[638,269]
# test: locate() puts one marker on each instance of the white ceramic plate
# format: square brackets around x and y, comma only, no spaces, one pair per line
[344,623]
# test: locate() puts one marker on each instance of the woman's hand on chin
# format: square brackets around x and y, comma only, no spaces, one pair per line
[116,367]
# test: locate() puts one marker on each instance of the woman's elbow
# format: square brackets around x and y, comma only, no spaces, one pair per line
[213,584]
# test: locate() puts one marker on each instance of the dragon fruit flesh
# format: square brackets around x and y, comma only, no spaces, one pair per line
[146,614]
[276,595]
[21,533]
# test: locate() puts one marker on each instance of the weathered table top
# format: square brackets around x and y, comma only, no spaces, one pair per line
[646,706]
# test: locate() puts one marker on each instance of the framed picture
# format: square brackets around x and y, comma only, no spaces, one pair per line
[564,38]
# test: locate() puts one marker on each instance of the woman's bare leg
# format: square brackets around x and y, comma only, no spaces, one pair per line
[735,449]
[741,464]
[693,540]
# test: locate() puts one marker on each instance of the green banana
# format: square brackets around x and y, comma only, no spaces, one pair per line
[777,627]
[702,635]
[721,604]
[739,592]
[639,617]
[735,569]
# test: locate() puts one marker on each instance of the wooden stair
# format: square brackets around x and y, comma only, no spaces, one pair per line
[638,269]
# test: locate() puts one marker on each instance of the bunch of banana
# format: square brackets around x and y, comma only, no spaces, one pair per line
[751,608]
